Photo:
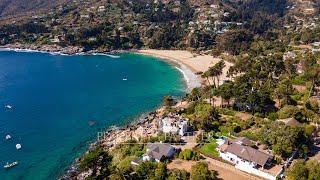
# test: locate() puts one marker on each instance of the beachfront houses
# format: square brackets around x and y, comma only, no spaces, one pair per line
[240,153]
[156,152]
[174,126]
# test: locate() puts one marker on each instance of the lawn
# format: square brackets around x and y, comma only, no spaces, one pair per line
[209,149]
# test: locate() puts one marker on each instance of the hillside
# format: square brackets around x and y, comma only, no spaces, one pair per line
[197,25]
[19,8]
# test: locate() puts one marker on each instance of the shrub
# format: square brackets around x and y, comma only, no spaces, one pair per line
[227,111]
[250,135]
[313,105]
[94,159]
[201,171]
[273,116]
[287,112]
[299,80]
[178,174]
[188,154]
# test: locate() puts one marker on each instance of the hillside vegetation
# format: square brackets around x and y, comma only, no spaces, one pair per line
[214,25]
[19,8]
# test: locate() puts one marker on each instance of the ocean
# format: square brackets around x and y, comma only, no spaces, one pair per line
[59,103]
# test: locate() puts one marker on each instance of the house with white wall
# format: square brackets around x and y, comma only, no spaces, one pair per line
[240,153]
[174,126]
[156,152]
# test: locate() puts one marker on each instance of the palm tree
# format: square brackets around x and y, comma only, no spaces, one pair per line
[217,71]
[206,75]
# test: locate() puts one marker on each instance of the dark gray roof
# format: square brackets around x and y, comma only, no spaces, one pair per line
[159,150]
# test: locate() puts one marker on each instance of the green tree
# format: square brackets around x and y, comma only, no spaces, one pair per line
[283,91]
[205,116]
[305,170]
[97,158]
[225,91]
[188,154]
[177,174]
[298,171]
[160,171]
[195,94]
[214,73]
[200,171]
[283,139]
[146,170]
[314,169]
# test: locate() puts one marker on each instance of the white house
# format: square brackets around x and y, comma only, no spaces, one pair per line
[55,39]
[173,126]
[156,152]
[246,158]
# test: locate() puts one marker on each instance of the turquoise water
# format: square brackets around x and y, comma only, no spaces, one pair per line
[54,98]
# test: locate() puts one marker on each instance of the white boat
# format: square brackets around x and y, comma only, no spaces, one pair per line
[124,79]
[8,137]
[10,165]
[8,106]
[18,146]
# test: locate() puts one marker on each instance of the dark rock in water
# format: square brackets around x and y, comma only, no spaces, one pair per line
[71,173]
[92,123]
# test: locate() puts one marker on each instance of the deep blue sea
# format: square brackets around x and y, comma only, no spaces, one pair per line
[55,98]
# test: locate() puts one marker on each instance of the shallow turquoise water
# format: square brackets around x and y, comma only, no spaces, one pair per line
[55,97]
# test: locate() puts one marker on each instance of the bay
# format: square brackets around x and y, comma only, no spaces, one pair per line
[59,103]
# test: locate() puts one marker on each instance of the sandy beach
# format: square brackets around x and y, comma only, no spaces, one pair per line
[190,64]
[196,63]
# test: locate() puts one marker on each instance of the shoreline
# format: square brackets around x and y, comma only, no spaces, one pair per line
[188,72]
[113,134]
[197,64]
[61,53]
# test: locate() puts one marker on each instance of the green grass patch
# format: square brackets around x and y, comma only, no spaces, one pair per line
[209,149]
[299,80]
[226,111]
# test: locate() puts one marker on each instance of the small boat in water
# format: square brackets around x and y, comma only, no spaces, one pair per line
[8,106]
[18,146]
[10,165]
[124,79]
[8,137]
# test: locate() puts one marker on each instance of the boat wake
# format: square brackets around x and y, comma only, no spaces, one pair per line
[113,56]
[109,55]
